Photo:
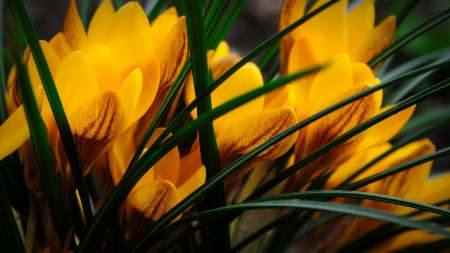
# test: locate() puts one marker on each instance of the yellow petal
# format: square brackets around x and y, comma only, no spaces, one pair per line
[119,157]
[129,92]
[386,129]
[99,26]
[95,124]
[53,62]
[61,46]
[193,183]
[129,38]
[328,128]
[162,26]
[220,65]
[191,163]
[404,240]
[167,168]
[361,73]
[75,81]
[222,50]
[291,11]
[73,28]
[436,190]
[248,133]
[282,97]
[328,25]
[330,82]
[105,66]
[13,132]
[154,199]
[360,21]
[375,42]
[173,53]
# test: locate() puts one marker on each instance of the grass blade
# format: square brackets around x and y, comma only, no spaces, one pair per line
[156,10]
[405,10]
[30,34]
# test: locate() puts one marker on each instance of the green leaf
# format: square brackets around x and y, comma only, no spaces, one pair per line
[439,116]
[84,11]
[44,156]
[217,35]
[417,31]
[10,238]
[117,4]
[156,10]
[270,55]
[30,34]
[405,10]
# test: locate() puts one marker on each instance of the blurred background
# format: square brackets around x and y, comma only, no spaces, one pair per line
[259,20]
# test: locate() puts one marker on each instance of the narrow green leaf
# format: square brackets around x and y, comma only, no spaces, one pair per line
[84,11]
[30,34]
[270,55]
[417,31]
[405,10]
[50,184]
[15,185]
[156,10]
[438,115]
[437,246]
[10,238]
[3,108]
[224,27]
[179,6]
[117,4]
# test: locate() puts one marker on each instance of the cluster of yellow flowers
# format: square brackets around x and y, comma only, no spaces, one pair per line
[113,78]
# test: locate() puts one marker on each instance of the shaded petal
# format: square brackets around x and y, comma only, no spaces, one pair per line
[248,133]
[100,23]
[291,11]
[129,92]
[104,64]
[95,124]
[129,37]
[76,81]
[328,25]
[61,46]
[173,53]
[191,163]
[193,183]
[162,26]
[222,50]
[166,168]
[282,97]
[375,42]
[154,199]
[330,82]
[404,240]
[73,28]
[386,129]
[220,65]
[360,21]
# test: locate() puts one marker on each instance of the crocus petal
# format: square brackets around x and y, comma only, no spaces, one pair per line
[191,163]
[220,65]
[328,25]
[129,92]
[222,50]
[99,26]
[248,133]
[119,156]
[291,11]
[404,240]
[386,129]
[104,64]
[329,128]
[61,46]
[360,21]
[154,199]
[95,124]
[375,42]
[436,190]
[73,28]
[162,26]
[330,82]
[193,183]
[173,53]
[282,97]
[75,80]
[129,38]
[13,132]
[166,168]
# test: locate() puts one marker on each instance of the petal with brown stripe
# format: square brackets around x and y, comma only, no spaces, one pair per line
[73,28]
[248,133]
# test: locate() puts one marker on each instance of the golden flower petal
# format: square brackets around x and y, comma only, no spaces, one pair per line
[73,28]
[104,65]
[61,46]
[404,240]
[375,42]
[248,133]
[162,26]
[99,26]
[220,65]
[154,199]
[360,21]
[193,183]
[222,50]
[282,97]
[129,92]
[386,129]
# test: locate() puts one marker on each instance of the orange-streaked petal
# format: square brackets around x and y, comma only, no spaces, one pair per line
[375,42]
[73,28]
[193,183]
[330,25]
[129,92]
[282,97]
[220,65]
[248,133]
[95,124]
[361,21]
[330,82]
[61,46]
[386,129]
[75,81]
[100,24]
[105,66]
[162,26]
[166,168]
[129,37]
[291,11]
[154,199]
[173,53]
[190,162]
